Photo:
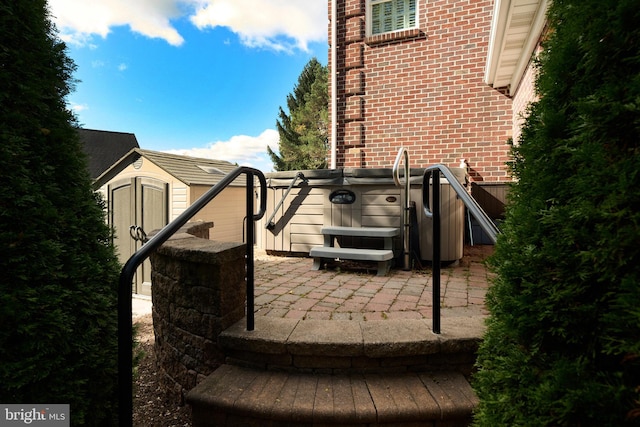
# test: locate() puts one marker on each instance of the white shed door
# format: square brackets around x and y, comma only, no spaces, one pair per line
[140,202]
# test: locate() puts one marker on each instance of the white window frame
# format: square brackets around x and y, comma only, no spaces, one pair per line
[394,27]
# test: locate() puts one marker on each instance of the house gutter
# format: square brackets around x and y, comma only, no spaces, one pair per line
[498,27]
[537,26]
[499,38]
[334,85]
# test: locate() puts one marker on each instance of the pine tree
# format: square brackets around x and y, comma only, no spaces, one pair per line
[58,341]
[304,131]
[563,341]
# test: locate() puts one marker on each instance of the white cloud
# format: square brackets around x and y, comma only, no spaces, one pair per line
[282,25]
[275,24]
[122,67]
[78,21]
[241,149]
[77,108]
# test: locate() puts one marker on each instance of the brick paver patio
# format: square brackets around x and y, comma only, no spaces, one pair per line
[286,287]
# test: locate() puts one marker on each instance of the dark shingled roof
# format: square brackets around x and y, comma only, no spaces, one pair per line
[104,148]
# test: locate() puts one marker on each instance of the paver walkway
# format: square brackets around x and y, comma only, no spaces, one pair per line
[323,372]
[286,287]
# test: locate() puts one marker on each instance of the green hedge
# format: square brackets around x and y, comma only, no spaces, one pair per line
[563,340]
[58,296]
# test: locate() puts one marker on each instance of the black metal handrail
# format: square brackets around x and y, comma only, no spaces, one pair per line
[125,322]
[432,173]
[485,222]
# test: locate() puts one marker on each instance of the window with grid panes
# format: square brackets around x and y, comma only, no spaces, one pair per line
[392,15]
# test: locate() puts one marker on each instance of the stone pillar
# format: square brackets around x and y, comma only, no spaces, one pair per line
[198,291]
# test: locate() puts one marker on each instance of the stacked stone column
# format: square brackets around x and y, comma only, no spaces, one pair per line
[198,291]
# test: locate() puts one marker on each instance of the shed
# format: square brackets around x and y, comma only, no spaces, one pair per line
[149,189]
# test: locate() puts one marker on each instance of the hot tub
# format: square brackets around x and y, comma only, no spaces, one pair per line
[300,203]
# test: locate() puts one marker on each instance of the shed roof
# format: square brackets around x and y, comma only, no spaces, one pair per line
[189,170]
[104,148]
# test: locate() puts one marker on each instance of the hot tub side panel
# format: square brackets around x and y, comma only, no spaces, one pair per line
[304,219]
[451,225]
[375,206]
[378,203]
[298,221]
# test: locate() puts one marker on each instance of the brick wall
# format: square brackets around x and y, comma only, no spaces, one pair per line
[422,89]
[523,96]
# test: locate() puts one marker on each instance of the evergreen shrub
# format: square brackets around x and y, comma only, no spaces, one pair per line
[563,341]
[58,341]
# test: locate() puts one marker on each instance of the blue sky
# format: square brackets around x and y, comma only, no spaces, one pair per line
[202,78]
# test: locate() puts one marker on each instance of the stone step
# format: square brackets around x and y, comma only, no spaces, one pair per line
[241,396]
[354,346]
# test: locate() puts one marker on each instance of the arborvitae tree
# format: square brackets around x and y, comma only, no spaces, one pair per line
[58,341]
[304,131]
[563,341]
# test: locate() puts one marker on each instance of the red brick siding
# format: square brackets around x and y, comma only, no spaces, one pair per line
[355,28]
[422,90]
[355,108]
[524,95]
[352,7]
[354,84]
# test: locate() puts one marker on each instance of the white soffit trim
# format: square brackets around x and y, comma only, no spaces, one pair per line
[498,23]
[515,29]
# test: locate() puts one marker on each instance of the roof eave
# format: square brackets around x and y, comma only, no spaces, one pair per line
[498,27]
[497,74]
[133,155]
